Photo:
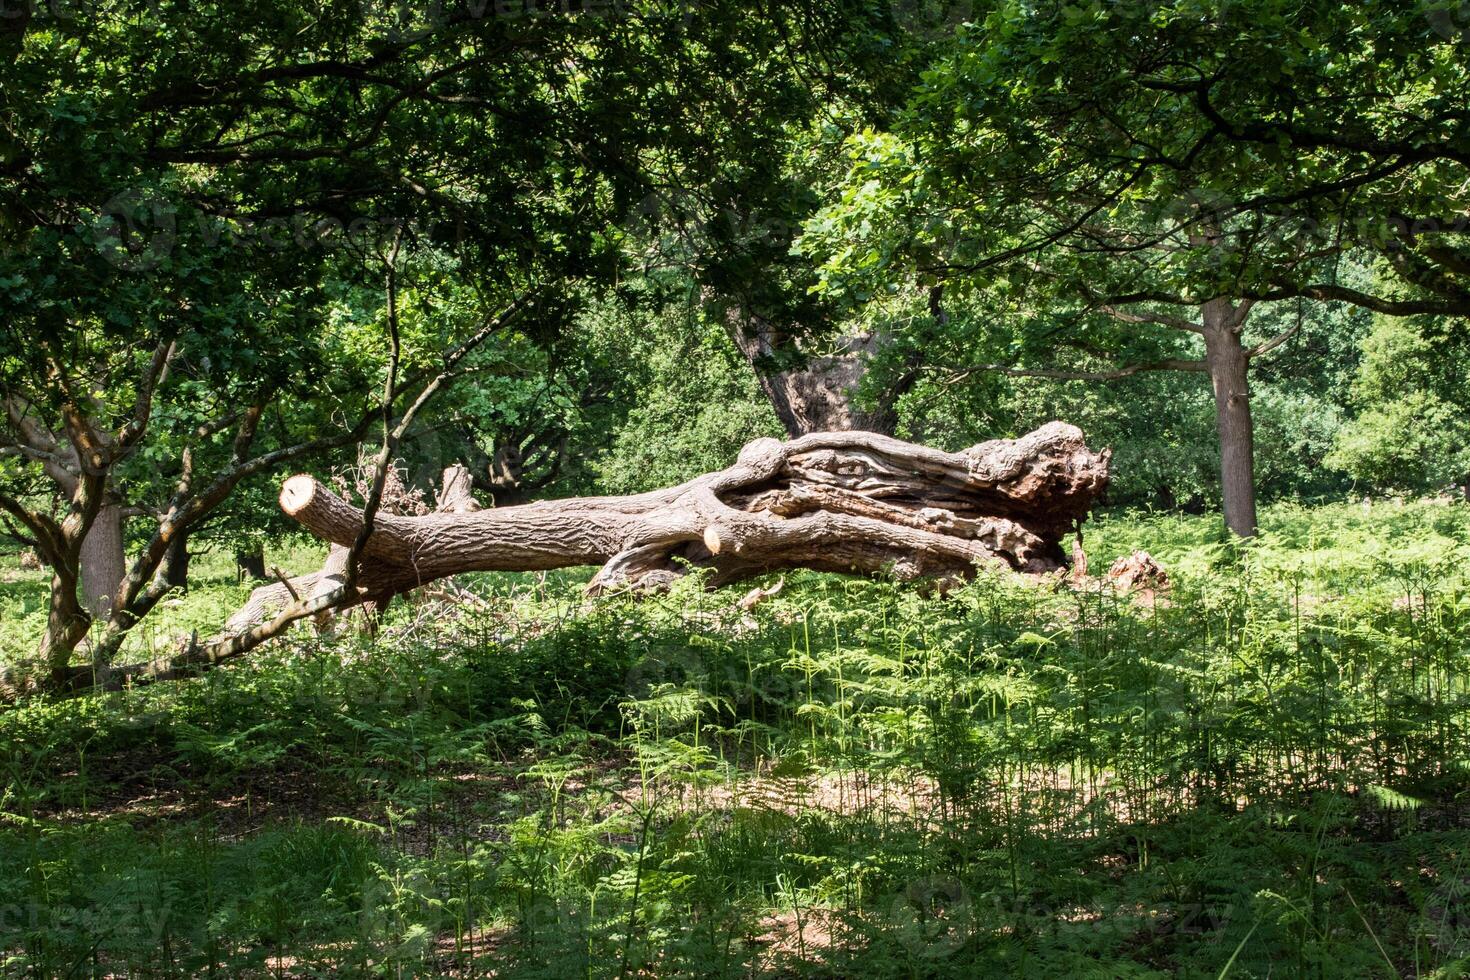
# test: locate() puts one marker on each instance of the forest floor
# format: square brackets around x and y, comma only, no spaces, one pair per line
[1263,771]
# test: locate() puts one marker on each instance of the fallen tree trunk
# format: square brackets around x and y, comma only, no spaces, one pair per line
[850,502]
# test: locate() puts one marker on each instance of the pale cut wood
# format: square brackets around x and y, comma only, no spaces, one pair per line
[454,497]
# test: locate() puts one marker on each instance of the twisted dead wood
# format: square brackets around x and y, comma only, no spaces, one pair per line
[849,502]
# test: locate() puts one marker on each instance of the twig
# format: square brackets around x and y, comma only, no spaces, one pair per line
[281,577]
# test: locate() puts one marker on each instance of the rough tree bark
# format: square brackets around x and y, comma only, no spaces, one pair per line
[818,395]
[103,563]
[849,502]
[1228,363]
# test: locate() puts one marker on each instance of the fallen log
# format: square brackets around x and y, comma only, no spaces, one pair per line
[849,502]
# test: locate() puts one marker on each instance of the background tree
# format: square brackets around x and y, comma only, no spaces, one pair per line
[1160,424]
[1062,158]
[1411,432]
[723,225]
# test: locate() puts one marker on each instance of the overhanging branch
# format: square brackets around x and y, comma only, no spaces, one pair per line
[1343,294]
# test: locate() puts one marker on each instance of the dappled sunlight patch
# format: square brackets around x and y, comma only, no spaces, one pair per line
[843,794]
[787,938]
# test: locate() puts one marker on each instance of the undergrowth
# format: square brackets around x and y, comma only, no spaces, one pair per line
[1262,771]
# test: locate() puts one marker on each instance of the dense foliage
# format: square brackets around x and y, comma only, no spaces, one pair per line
[1231,779]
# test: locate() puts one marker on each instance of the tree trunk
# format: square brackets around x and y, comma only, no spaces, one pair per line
[818,395]
[250,564]
[176,563]
[67,622]
[455,495]
[102,561]
[850,502]
[1228,362]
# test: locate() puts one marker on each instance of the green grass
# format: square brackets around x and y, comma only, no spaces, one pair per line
[214,593]
[1263,772]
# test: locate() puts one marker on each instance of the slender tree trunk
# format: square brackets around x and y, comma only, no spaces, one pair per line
[67,623]
[102,562]
[1228,361]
